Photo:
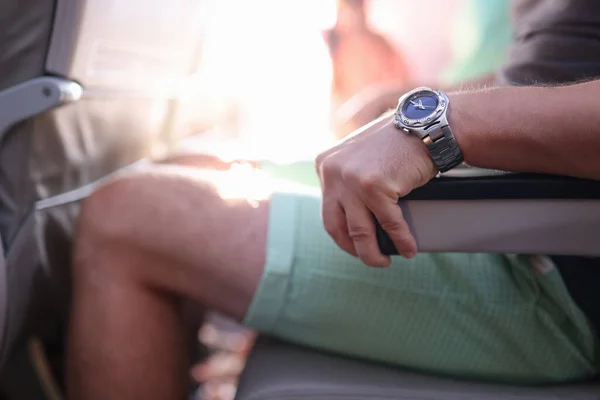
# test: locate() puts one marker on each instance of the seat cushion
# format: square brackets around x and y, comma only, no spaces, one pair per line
[278,371]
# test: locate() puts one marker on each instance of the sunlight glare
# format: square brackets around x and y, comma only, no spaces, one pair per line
[269,57]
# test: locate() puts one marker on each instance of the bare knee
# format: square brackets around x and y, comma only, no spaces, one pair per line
[128,207]
[174,232]
[132,216]
[102,216]
[108,216]
[102,230]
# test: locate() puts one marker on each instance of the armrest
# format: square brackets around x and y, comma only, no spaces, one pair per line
[508,187]
[504,213]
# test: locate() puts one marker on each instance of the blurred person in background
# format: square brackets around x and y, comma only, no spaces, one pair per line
[360,56]
[481,35]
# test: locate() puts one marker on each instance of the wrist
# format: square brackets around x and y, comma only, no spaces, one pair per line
[463,121]
[423,112]
[428,167]
[415,149]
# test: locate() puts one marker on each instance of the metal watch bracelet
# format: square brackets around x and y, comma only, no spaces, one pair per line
[443,148]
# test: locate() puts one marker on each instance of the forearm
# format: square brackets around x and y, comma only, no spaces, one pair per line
[373,102]
[530,129]
[391,95]
[480,82]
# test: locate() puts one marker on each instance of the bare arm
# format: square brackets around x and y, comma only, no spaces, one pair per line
[526,129]
[370,104]
[480,82]
[531,129]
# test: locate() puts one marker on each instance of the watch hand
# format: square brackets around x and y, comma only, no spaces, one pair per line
[428,107]
[421,106]
[413,103]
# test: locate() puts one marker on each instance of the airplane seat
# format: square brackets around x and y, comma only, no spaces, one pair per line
[87,88]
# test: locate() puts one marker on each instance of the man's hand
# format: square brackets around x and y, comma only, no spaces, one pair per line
[365,175]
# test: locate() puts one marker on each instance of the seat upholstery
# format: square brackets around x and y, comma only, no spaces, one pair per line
[128,60]
[278,371]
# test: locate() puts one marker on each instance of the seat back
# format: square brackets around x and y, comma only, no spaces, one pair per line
[146,46]
[87,87]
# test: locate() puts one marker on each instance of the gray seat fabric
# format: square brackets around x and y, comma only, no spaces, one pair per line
[129,60]
[278,371]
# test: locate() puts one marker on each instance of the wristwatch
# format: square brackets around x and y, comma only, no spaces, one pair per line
[422,112]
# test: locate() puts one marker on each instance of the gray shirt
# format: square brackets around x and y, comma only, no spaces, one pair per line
[555,41]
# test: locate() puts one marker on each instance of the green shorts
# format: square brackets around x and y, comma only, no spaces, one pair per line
[502,318]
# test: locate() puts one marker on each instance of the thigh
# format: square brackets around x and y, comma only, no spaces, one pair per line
[481,316]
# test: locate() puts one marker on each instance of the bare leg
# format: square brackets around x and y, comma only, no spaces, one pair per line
[144,244]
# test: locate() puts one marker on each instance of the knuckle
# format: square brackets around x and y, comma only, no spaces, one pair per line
[350,175]
[359,233]
[370,182]
[393,227]
[328,169]
[402,191]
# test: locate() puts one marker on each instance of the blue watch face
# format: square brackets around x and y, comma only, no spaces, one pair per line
[420,105]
